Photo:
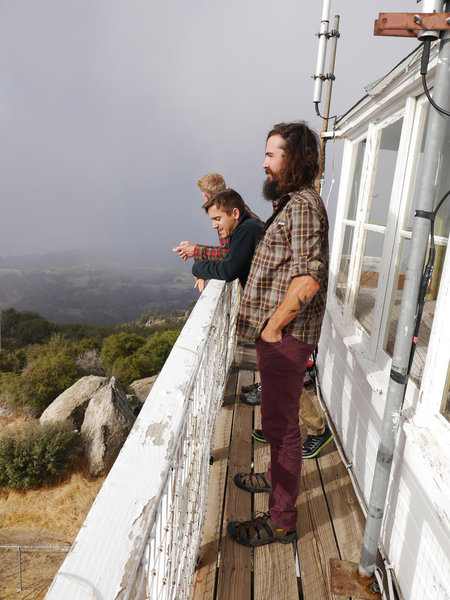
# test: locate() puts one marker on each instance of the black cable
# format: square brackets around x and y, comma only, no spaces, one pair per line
[426,276]
[316,105]
[423,72]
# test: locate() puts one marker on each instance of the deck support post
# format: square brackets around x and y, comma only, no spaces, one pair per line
[434,142]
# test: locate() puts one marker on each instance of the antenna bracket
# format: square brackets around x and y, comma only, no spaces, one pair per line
[410,24]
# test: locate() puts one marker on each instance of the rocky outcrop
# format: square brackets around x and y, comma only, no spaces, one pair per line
[141,388]
[103,412]
[72,403]
[108,420]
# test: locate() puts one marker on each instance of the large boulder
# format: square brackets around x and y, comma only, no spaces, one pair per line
[141,387]
[107,423]
[72,403]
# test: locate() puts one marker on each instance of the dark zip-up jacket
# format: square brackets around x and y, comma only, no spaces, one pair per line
[237,261]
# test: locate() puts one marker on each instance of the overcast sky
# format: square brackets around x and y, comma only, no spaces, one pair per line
[110,110]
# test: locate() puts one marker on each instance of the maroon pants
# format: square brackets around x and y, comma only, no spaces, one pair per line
[282,366]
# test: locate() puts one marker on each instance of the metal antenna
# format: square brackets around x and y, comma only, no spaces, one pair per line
[323,38]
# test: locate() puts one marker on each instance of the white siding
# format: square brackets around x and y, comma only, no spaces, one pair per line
[354,372]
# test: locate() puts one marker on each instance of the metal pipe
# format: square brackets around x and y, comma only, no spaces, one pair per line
[330,73]
[358,493]
[323,38]
[430,6]
[20,569]
[327,103]
[434,141]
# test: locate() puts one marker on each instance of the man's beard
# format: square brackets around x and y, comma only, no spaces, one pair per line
[270,190]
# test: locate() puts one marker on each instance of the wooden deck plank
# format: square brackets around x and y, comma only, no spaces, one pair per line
[275,576]
[209,550]
[235,560]
[326,500]
[316,544]
[347,516]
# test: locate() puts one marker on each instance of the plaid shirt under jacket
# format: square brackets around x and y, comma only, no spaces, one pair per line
[217,252]
[294,244]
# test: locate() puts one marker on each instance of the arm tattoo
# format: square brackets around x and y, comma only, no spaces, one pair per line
[302,304]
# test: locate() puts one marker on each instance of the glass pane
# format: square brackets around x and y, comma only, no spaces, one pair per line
[368,282]
[442,222]
[443,178]
[356,181]
[427,315]
[417,176]
[445,408]
[394,309]
[387,158]
[342,277]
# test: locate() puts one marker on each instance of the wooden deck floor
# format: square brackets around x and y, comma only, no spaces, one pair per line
[330,523]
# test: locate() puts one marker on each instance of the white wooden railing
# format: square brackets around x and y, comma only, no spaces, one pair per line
[141,537]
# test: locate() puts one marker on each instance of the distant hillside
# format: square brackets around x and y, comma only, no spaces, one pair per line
[73,287]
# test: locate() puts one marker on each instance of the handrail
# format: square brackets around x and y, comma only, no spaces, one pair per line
[142,534]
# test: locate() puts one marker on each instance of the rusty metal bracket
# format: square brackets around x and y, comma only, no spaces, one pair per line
[409,24]
[346,581]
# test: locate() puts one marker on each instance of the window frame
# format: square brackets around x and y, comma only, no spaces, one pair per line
[370,347]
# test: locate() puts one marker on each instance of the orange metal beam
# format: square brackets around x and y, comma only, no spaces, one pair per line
[409,24]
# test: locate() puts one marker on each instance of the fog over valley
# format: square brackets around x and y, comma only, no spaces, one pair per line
[102,290]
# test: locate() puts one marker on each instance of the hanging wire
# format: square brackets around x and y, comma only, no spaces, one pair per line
[316,106]
[423,72]
[427,275]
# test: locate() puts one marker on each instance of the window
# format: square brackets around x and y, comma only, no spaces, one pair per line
[385,171]
[441,230]
[445,407]
[349,225]
[375,226]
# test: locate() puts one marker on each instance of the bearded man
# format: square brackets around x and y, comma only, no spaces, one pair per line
[282,309]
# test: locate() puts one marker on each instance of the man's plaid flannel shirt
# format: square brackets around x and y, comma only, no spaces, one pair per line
[294,244]
[217,252]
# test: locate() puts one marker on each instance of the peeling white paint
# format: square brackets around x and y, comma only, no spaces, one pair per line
[134,506]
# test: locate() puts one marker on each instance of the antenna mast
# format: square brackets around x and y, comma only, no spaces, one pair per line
[319,77]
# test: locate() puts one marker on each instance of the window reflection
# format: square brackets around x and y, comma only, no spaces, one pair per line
[382,188]
[342,277]
[356,182]
[368,282]
[445,408]
[441,229]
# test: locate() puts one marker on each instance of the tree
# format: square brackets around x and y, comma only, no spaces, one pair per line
[19,329]
[121,345]
[49,371]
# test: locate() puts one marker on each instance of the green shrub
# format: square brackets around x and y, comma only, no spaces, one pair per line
[35,454]
[147,360]
[159,347]
[19,329]
[50,370]
[88,344]
[45,379]
[126,370]
[13,361]
[121,345]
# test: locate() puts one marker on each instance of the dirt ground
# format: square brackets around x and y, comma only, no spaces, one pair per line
[38,567]
[49,516]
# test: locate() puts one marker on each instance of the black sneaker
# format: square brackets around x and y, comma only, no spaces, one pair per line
[258,435]
[252,398]
[254,387]
[314,443]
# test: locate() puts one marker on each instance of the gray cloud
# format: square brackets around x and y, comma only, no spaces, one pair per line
[111,110]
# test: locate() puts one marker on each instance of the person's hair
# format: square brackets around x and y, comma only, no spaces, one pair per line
[301,149]
[211,183]
[226,201]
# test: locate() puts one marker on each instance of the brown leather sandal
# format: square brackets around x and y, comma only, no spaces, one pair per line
[259,531]
[252,482]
